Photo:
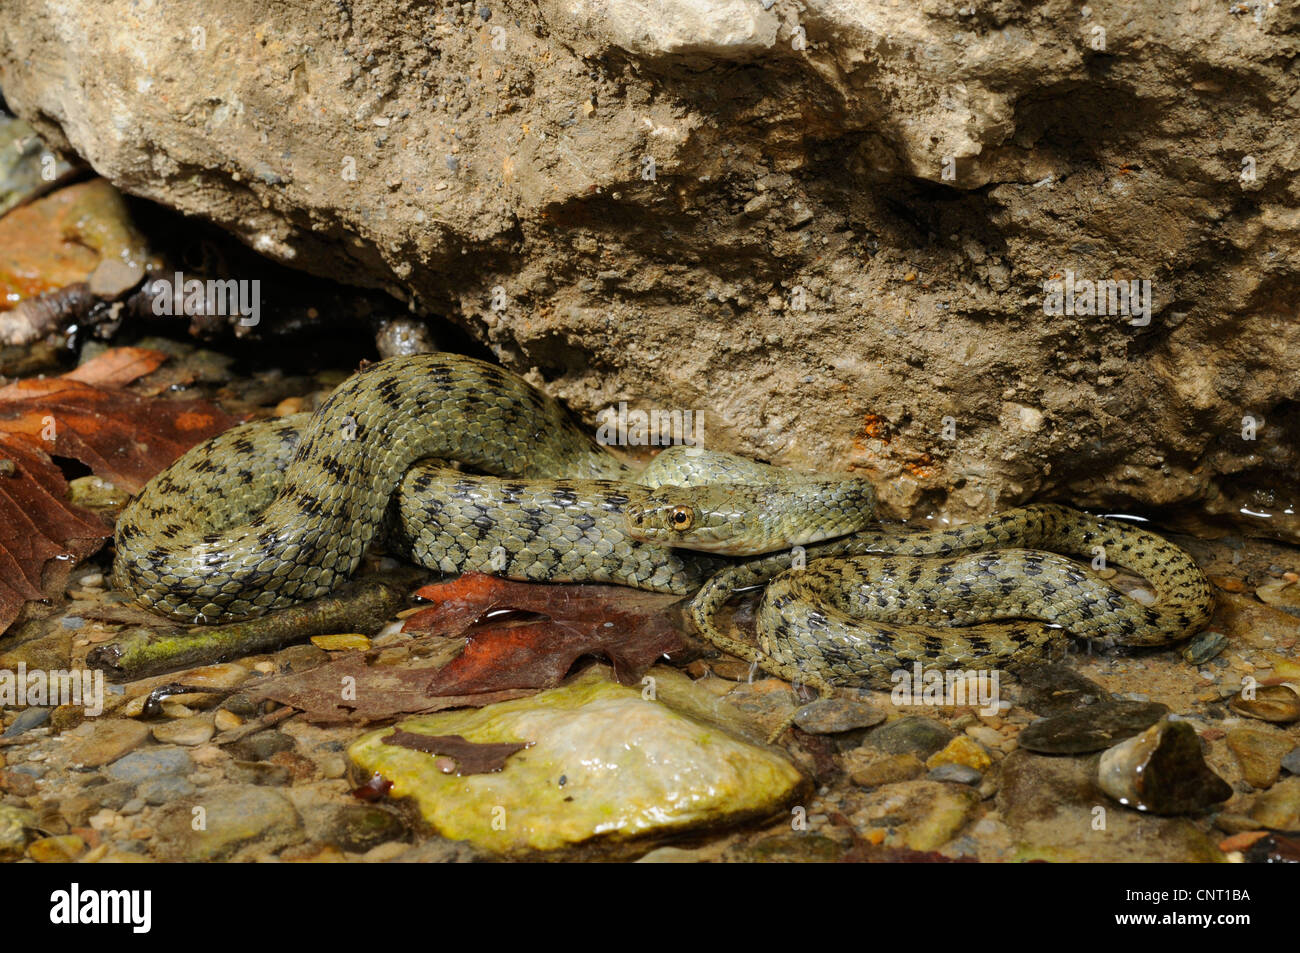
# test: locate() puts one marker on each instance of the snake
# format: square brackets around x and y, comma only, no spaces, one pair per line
[460,465]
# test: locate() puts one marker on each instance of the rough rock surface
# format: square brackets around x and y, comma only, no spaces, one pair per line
[824,225]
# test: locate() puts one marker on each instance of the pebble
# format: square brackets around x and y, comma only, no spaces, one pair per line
[962,750]
[27,719]
[1278,808]
[1162,771]
[132,807]
[56,850]
[1282,594]
[260,773]
[1090,728]
[105,742]
[166,789]
[1049,805]
[897,767]
[190,731]
[844,711]
[385,852]
[1205,647]
[1051,689]
[261,746]
[225,720]
[1259,753]
[960,773]
[142,765]
[103,820]
[988,737]
[15,822]
[1291,762]
[922,814]
[1276,703]
[111,795]
[362,827]
[234,816]
[332,766]
[914,734]
[1234,823]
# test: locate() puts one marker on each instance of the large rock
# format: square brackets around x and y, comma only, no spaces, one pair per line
[828,231]
[603,764]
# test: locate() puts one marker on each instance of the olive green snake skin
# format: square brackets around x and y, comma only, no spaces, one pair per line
[275,512]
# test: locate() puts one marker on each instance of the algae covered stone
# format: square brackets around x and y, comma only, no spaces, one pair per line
[603,762]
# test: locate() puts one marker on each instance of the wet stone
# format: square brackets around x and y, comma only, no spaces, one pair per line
[1259,753]
[1278,808]
[234,816]
[141,766]
[27,719]
[1205,646]
[958,773]
[788,847]
[260,773]
[166,789]
[604,763]
[1162,771]
[962,750]
[846,711]
[1291,761]
[111,795]
[897,767]
[15,825]
[1050,689]
[1282,594]
[1051,806]
[194,730]
[261,746]
[921,815]
[104,742]
[912,734]
[56,850]
[1276,703]
[359,828]
[1090,728]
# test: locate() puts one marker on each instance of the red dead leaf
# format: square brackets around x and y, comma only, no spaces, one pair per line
[632,629]
[471,757]
[120,436]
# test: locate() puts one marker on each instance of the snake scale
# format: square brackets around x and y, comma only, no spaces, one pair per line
[275,512]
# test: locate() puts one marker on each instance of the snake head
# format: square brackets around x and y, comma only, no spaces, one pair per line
[680,518]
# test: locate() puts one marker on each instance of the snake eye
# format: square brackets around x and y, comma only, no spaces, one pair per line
[681,517]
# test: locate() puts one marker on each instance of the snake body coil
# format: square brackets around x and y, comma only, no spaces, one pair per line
[275,512]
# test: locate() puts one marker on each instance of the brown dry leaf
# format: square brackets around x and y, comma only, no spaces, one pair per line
[121,437]
[350,690]
[471,757]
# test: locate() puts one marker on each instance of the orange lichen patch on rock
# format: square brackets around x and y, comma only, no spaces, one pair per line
[922,467]
[874,427]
